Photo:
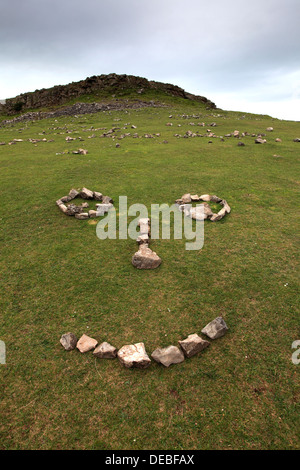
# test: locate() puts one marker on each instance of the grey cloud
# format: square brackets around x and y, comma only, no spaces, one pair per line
[221,46]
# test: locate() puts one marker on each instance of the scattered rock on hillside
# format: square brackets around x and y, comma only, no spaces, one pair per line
[193,344]
[68,341]
[86,343]
[296,140]
[259,140]
[215,329]
[134,355]
[168,356]
[270,129]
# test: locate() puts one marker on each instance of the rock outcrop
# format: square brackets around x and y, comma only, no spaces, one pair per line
[111,85]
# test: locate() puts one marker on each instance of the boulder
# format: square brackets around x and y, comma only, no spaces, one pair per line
[186,199]
[205,197]
[66,199]
[63,208]
[107,200]
[215,198]
[82,216]
[193,344]
[259,140]
[144,238]
[86,194]
[278,140]
[145,258]
[105,351]
[201,212]
[86,343]
[226,206]
[270,129]
[98,196]
[144,224]
[215,329]
[82,151]
[68,341]
[73,193]
[134,355]
[92,213]
[168,356]
[103,209]
[195,198]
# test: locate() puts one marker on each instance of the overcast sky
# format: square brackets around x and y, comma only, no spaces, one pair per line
[243,55]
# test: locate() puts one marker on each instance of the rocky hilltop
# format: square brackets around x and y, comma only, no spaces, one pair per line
[112,85]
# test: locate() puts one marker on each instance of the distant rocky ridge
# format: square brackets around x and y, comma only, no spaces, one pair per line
[112,84]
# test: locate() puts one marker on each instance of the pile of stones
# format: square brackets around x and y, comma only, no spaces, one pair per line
[202,211]
[145,258]
[80,211]
[135,355]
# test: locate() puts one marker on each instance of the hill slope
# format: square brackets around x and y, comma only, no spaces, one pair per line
[101,86]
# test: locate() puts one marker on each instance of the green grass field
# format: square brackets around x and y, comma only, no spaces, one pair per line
[57,276]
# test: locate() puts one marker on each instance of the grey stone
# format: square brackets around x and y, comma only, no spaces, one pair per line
[215,329]
[72,209]
[98,196]
[68,341]
[205,197]
[144,224]
[201,212]
[134,355]
[63,208]
[226,206]
[66,199]
[73,193]
[92,213]
[193,344]
[103,209]
[186,199]
[144,238]
[82,216]
[105,351]
[86,194]
[168,356]
[86,343]
[145,258]
[107,200]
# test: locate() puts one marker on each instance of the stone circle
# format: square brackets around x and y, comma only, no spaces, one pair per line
[78,211]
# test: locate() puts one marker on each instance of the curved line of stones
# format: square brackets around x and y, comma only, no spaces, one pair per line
[135,355]
[79,210]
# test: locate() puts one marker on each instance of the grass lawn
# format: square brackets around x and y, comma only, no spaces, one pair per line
[57,276]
